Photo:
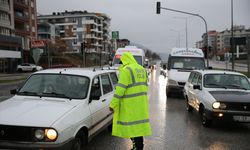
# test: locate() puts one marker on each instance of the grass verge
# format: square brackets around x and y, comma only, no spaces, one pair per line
[13,80]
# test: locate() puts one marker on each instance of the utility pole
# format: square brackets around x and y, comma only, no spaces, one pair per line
[232,35]
[248,55]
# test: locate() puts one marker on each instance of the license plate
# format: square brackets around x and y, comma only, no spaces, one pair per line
[242,118]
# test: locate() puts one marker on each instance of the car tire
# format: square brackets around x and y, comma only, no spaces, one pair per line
[168,93]
[204,120]
[80,142]
[34,69]
[110,127]
[188,107]
[19,70]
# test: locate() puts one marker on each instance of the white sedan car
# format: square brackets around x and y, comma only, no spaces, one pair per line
[218,95]
[28,67]
[57,109]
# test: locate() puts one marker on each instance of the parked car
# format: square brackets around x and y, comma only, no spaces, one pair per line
[28,67]
[58,108]
[218,95]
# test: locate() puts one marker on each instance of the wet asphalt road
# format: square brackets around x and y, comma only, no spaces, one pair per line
[174,128]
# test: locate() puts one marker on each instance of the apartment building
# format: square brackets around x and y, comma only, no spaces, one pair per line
[9,43]
[17,28]
[25,16]
[219,42]
[223,39]
[76,27]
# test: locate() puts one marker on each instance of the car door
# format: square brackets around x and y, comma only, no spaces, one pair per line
[108,92]
[187,90]
[96,103]
[198,92]
[191,89]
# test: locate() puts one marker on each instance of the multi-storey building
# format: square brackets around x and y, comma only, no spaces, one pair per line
[17,29]
[223,39]
[9,44]
[77,27]
[219,42]
[212,42]
[25,15]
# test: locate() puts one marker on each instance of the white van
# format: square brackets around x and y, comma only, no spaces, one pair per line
[138,54]
[181,62]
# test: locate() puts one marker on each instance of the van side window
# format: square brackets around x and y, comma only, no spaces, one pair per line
[106,84]
[114,78]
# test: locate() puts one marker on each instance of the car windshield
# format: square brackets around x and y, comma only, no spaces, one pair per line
[56,85]
[227,81]
[187,63]
[137,58]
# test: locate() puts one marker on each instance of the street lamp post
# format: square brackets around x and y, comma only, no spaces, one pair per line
[186,28]
[158,7]
[179,36]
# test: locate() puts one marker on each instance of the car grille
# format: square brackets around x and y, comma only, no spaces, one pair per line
[181,83]
[238,106]
[16,133]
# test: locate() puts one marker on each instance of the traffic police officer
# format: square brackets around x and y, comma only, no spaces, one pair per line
[130,102]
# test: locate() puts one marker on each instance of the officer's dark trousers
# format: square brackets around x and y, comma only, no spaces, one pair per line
[137,143]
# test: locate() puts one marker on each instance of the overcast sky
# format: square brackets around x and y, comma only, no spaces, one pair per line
[137,20]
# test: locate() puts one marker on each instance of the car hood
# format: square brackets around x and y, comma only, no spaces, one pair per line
[179,75]
[231,96]
[32,111]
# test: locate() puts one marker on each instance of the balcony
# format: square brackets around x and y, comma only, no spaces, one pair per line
[20,4]
[5,23]
[10,39]
[20,18]
[4,6]
[22,32]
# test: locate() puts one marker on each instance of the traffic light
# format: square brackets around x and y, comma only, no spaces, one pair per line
[158,7]
[82,47]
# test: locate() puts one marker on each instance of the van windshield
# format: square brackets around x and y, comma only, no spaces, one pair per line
[137,58]
[189,63]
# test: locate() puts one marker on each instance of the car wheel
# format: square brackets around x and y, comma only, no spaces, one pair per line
[19,70]
[34,69]
[204,120]
[168,93]
[80,142]
[110,127]
[188,107]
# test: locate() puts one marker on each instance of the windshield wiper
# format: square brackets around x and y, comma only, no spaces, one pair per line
[237,86]
[56,94]
[28,93]
[219,86]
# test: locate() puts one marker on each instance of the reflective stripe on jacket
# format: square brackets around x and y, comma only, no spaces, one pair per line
[130,101]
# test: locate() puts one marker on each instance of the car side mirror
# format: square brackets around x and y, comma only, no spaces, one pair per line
[197,87]
[13,92]
[210,67]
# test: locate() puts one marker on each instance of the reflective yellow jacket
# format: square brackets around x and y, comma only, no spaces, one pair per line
[130,101]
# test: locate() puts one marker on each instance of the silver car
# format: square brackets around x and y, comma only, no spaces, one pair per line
[218,95]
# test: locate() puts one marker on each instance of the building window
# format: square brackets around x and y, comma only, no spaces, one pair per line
[32,4]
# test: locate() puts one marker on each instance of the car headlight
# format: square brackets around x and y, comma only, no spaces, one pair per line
[51,134]
[46,134]
[172,82]
[218,105]
[39,134]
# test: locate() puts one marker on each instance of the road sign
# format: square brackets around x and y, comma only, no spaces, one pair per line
[115,35]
